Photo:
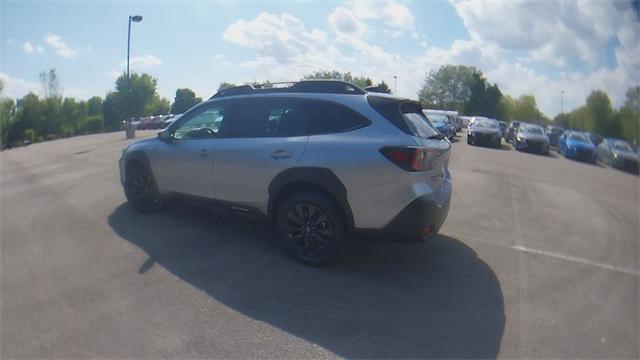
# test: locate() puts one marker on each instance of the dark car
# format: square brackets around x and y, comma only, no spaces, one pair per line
[619,154]
[485,131]
[577,145]
[503,127]
[531,138]
[595,138]
[554,132]
[511,130]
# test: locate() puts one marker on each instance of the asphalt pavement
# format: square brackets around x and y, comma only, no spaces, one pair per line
[538,258]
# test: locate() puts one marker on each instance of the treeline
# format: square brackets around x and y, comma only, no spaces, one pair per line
[465,89]
[34,119]
[598,116]
[452,87]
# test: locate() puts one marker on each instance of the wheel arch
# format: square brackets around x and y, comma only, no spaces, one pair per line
[309,178]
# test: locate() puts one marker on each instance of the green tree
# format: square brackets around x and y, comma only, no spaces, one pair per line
[449,87]
[361,81]
[137,93]
[158,106]
[185,99]
[113,109]
[94,106]
[382,86]
[629,115]
[7,114]
[222,86]
[599,115]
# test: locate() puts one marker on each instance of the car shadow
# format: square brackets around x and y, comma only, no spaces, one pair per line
[430,300]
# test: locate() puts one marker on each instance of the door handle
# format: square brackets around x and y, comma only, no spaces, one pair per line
[204,152]
[280,154]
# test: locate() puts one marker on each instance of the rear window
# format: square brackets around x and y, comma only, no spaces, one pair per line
[405,115]
[326,117]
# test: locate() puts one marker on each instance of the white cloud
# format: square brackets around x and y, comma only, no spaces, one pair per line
[28,48]
[61,48]
[390,12]
[345,23]
[142,62]
[17,87]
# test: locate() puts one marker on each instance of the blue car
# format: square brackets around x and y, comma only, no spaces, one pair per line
[578,146]
[441,123]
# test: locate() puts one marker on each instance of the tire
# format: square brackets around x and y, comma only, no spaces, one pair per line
[141,190]
[312,228]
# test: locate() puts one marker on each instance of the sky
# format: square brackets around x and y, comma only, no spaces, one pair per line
[536,47]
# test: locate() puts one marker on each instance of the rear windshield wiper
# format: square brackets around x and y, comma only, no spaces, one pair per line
[436,137]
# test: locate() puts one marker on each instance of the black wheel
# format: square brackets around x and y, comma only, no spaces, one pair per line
[141,190]
[312,228]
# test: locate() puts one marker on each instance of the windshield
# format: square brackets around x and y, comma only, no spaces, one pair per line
[533,130]
[622,146]
[579,137]
[437,118]
[486,123]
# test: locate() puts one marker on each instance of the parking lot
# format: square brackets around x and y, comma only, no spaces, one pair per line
[538,258]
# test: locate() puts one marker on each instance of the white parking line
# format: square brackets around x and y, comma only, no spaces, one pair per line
[575,259]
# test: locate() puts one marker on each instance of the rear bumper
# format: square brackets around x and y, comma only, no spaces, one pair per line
[418,221]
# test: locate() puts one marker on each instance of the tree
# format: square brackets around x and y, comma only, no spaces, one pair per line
[484,99]
[50,84]
[382,86]
[141,91]
[629,115]
[158,106]
[222,86]
[449,87]
[94,106]
[113,111]
[185,99]
[600,115]
[361,81]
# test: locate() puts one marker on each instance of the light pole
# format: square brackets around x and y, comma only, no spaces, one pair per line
[130,133]
[395,85]
[135,18]
[561,101]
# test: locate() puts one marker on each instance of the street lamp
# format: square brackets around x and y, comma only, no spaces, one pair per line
[130,132]
[135,18]
[395,80]
[561,101]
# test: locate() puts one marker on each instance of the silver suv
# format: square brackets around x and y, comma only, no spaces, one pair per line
[325,161]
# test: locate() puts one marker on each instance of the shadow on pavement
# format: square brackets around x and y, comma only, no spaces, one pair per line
[431,300]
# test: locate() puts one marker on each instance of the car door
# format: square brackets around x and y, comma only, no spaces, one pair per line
[184,163]
[265,136]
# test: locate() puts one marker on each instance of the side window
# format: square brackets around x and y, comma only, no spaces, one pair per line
[267,118]
[326,117]
[204,124]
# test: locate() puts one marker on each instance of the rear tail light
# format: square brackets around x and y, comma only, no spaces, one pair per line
[408,158]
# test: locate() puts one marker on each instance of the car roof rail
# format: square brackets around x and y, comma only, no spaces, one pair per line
[303,86]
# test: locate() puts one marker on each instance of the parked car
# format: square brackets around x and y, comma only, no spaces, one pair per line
[169,120]
[157,122]
[531,137]
[451,117]
[465,121]
[595,138]
[503,127]
[619,154]
[578,146]
[511,130]
[553,133]
[323,160]
[485,131]
[441,123]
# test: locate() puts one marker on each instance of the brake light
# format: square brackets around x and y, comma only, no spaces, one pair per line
[408,158]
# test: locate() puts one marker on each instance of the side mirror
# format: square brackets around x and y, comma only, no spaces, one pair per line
[165,136]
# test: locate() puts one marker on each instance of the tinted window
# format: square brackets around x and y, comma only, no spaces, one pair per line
[325,117]
[204,123]
[578,137]
[267,118]
[486,123]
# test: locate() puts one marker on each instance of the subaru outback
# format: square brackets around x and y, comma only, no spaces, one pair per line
[324,161]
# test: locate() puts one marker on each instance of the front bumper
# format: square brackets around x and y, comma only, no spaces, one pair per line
[532,145]
[483,138]
[419,220]
[629,165]
[581,154]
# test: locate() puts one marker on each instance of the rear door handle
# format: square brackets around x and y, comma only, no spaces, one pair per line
[280,154]
[204,152]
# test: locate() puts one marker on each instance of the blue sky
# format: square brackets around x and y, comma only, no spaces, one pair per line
[535,48]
